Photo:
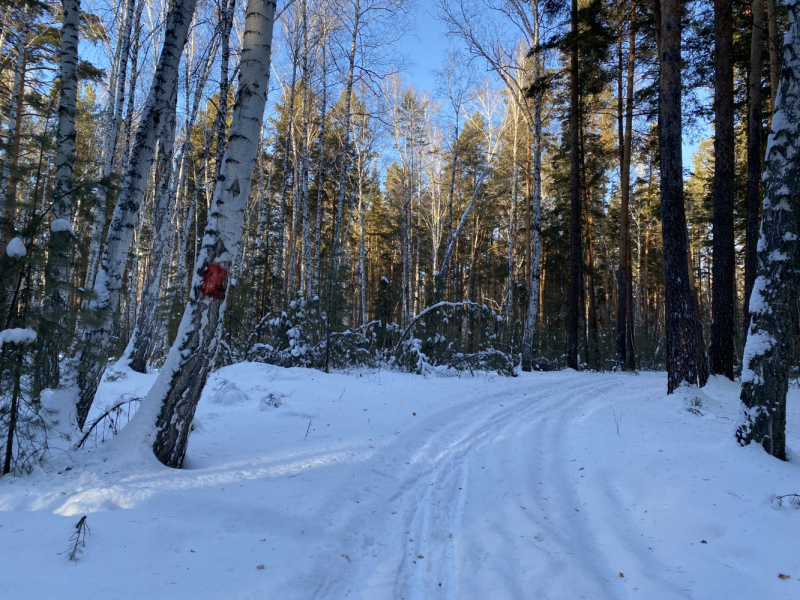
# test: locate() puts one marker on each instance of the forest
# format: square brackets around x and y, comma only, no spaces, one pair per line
[579,189]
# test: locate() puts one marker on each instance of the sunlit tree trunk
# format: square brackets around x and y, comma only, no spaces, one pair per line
[532,313]
[682,358]
[774,50]
[625,356]
[279,261]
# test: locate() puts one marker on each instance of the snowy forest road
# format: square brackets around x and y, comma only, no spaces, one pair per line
[378,485]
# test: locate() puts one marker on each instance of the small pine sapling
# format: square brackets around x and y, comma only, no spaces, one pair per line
[78,540]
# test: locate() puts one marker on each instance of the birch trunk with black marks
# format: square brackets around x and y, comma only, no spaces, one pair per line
[125,155]
[59,253]
[279,260]
[341,190]
[172,401]
[113,119]
[7,200]
[343,164]
[320,171]
[305,282]
[226,23]
[143,339]
[773,304]
[108,282]
[531,315]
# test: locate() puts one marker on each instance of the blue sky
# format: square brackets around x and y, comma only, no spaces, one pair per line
[426,49]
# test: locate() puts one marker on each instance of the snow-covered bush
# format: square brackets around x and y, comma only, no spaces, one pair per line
[299,338]
[458,336]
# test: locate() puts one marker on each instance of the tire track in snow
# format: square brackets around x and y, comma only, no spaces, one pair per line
[413,581]
[438,474]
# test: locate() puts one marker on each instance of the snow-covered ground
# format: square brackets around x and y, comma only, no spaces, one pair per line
[379,485]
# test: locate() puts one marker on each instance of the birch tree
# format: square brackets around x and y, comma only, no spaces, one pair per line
[171,403]
[61,235]
[165,203]
[111,130]
[108,282]
[473,23]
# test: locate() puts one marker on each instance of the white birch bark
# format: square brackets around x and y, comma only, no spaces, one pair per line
[14,114]
[125,155]
[113,121]
[532,313]
[225,24]
[320,170]
[61,235]
[108,283]
[142,343]
[166,413]
[279,262]
[306,240]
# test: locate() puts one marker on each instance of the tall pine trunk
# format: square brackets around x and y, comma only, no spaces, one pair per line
[680,304]
[720,349]
[773,304]
[774,51]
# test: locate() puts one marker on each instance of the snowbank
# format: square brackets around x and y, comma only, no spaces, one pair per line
[384,485]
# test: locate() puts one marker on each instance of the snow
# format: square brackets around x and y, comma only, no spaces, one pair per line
[380,485]
[777,256]
[758,303]
[758,343]
[16,336]
[16,248]
[100,289]
[57,225]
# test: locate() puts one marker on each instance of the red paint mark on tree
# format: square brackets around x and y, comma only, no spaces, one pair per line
[214,280]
